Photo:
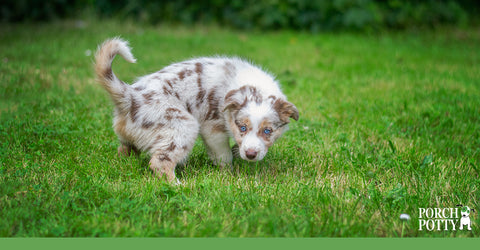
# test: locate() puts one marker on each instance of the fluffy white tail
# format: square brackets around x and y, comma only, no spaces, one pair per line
[103,67]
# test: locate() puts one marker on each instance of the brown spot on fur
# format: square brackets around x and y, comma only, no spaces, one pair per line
[139,88]
[163,157]
[159,138]
[189,108]
[213,112]
[171,147]
[170,83]
[174,113]
[160,126]
[201,92]
[108,73]
[252,92]
[200,96]
[166,91]
[230,94]
[181,75]
[172,110]
[184,73]
[238,98]
[198,68]
[231,102]
[219,128]
[134,107]
[149,97]
[147,124]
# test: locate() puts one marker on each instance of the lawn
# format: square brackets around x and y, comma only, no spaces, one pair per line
[389,123]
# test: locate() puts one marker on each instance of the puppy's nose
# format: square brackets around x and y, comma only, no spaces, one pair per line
[251,154]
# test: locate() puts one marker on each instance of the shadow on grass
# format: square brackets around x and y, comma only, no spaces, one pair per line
[199,164]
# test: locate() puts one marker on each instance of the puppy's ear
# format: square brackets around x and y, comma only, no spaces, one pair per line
[285,110]
[233,100]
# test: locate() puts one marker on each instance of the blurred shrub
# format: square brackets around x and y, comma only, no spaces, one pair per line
[401,14]
[35,10]
[313,15]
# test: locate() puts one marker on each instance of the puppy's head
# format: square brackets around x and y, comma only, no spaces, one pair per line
[465,211]
[256,121]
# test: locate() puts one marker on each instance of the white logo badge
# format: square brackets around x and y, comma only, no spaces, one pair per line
[445,218]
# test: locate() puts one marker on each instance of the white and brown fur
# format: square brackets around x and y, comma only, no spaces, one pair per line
[163,113]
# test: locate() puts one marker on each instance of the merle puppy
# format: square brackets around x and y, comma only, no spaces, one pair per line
[163,113]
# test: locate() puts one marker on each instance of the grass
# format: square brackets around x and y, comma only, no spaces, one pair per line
[389,123]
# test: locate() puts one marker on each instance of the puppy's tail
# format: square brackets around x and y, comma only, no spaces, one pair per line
[103,67]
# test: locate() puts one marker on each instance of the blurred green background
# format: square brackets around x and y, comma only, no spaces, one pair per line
[314,16]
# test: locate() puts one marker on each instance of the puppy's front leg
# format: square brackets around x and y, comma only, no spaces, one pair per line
[218,147]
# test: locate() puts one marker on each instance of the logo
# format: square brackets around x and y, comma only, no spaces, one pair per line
[445,219]
[465,220]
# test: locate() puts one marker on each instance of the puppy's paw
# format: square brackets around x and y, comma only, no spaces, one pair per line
[125,150]
[236,151]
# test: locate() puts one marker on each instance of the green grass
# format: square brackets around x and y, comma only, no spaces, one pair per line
[389,123]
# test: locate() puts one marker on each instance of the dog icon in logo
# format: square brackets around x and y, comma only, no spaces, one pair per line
[465,220]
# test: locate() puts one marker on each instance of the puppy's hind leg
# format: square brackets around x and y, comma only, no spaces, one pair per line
[126,149]
[163,166]
[173,144]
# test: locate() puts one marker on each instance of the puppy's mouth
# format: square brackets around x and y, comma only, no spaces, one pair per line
[250,160]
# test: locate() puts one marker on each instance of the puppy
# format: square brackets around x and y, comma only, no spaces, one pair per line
[465,220]
[218,98]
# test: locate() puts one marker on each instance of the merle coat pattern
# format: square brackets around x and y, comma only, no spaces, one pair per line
[163,113]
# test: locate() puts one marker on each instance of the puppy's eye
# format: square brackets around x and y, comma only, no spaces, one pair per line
[267,131]
[243,128]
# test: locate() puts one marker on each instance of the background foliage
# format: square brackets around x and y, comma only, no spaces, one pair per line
[267,14]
